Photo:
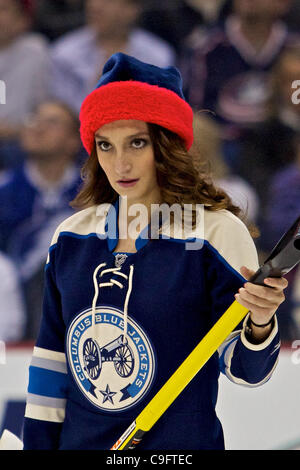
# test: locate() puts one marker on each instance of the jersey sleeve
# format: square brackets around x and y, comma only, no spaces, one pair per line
[48,380]
[249,364]
[231,247]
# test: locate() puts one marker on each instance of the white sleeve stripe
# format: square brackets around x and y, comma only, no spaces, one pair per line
[240,381]
[49,402]
[49,364]
[44,413]
[48,354]
[261,346]
[228,355]
[230,338]
[228,346]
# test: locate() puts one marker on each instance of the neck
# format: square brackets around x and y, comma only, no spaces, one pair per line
[140,218]
[257,31]
[109,42]
[18,31]
[51,172]
[6,42]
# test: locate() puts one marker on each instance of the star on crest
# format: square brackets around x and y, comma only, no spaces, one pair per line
[107,394]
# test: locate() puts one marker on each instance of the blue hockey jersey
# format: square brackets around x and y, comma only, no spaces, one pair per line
[226,75]
[29,213]
[116,326]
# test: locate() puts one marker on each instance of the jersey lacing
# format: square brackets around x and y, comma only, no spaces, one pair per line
[112,282]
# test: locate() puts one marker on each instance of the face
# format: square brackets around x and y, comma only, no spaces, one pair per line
[266,9]
[111,16]
[12,20]
[125,153]
[49,132]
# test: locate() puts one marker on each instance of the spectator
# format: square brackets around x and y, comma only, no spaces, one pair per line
[282,209]
[293,16]
[270,146]
[110,27]
[229,73]
[12,312]
[210,148]
[36,196]
[24,69]
[283,205]
[210,9]
[53,19]
[174,20]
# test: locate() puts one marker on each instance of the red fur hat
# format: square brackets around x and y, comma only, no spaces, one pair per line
[131,89]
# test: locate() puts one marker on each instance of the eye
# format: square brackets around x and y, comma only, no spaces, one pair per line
[103,145]
[139,143]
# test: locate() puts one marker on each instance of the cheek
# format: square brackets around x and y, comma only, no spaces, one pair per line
[104,164]
[58,136]
[148,160]
[42,138]
[152,165]
[149,168]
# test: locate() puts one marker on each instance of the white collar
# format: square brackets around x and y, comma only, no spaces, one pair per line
[35,178]
[245,48]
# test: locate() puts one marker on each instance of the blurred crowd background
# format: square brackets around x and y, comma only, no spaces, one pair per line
[240,62]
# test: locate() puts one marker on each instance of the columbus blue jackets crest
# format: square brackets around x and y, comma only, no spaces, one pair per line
[112,369]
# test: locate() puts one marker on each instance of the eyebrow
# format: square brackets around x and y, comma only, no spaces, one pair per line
[128,137]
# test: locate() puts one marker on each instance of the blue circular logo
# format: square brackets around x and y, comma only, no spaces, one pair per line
[113,370]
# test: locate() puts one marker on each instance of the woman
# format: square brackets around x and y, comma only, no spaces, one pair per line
[123,308]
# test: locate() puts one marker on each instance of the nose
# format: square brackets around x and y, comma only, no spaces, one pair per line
[122,165]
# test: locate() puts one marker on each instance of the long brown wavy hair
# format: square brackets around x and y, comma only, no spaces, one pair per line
[182,177]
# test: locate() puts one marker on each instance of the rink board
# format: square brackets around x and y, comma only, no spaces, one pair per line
[266,417]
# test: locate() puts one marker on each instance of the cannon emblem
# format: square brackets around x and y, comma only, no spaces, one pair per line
[117,351]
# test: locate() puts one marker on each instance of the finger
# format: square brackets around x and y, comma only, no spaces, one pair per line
[259,301]
[254,308]
[277,283]
[261,291]
[246,273]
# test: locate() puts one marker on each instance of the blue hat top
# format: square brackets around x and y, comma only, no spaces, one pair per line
[122,67]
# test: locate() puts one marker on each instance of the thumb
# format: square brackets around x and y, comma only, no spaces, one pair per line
[247,273]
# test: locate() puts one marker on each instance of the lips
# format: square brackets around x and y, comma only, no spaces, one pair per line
[126,183]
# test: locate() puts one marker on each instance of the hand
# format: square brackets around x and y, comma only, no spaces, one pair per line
[262,302]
